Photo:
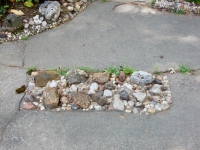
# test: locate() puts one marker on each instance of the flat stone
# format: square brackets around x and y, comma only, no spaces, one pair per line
[81,99]
[151,110]
[43,77]
[141,77]
[76,76]
[101,78]
[28,105]
[140,96]
[94,86]
[50,98]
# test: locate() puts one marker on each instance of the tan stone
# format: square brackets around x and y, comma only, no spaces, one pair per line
[151,110]
[101,78]
[43,77]
[50,98]
[81,99]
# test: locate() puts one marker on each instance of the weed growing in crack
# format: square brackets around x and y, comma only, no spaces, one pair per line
[183,69]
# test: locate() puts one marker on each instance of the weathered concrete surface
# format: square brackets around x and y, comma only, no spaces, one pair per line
[101,36]
[98,37]
[175,129]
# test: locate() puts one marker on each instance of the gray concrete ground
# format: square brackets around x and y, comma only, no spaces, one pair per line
[98,37]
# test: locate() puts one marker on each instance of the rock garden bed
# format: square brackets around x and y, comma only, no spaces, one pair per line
[139,92]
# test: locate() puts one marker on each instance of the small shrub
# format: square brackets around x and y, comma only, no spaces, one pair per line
[128,70]
[113,70]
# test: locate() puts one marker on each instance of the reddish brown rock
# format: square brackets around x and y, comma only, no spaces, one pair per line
[81,99]
[28,105]
[43,77]
[122,76]
[50,98]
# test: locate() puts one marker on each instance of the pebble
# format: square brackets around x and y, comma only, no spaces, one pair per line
[42,108]
[125,103]
[94,86]
[107,93]
[135,111]
[58,109]
[98,107]
[36,103]
[130,103]
[73,88]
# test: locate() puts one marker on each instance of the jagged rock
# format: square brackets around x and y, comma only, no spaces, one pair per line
[156,89]
[50,10]
[141,77]
[124,95]
[50,98]
[109,85]
[140,96]
[101,78]
[81,99]
[76,76]
[43,77]
[13,21]
[118,104]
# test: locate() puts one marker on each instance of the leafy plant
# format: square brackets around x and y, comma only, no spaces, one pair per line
[113,70]
[183,69]
[179,12]
[24,38]
[87,69]
[104,0]
[195,1]
[153,3]
[157,71]
[3,10]
[29,3]
[63,72]
[128,70]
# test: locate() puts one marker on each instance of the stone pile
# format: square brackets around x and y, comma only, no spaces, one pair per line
[50,15]
[177,5]
[140,92]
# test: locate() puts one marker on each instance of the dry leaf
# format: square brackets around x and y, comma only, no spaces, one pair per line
[17,12]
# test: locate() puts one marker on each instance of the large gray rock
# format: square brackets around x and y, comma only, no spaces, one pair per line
[13,21]
[141,77]
[50,10]
[50,98]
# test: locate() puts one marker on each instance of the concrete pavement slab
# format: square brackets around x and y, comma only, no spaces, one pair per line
[101,36]
[175,129]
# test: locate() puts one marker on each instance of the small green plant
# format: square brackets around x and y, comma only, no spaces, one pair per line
[128,70]
[63,72]
[30,70]
[157,71]
[24,38]
[104,0]
[87,69]
[195,1]
[153,3]
[183,69]
[179,12]
[113,70]
[3,10]
[29,3]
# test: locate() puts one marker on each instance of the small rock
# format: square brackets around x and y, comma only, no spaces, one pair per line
[70,8]
[164,105]
[58,109]
[101,101]
[128,111]
[138,104]
[156,89]
[157,81]
[135,111]
[44,23]
[130,103]
[157,107]
[124,95]
[109,85]
[107,93]
[169,101]
[91,107]
[94,86]
[26,25]
[28,105]
[128,86]
[30,98]
[164,88]
[42,108]
[53,84]
[125,103]
[101,78]
[91,91]
[164,77]
[74,107]
[73,88]
[68,107]
[36,103]
[118,104]
[63,108]
[151,110]
[140,96]
[122,76]
[97,107]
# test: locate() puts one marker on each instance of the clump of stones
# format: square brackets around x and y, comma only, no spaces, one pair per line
[139,93]
[50,15]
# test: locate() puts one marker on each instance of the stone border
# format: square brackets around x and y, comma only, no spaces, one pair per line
[139,93]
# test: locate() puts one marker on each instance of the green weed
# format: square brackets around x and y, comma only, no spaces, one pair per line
[183,69]
[62,72]
[113,70]
[128,70]
[179,12]
[24,38]
[153,3]
[157,71]
[87,69]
